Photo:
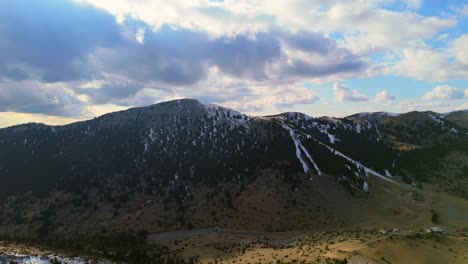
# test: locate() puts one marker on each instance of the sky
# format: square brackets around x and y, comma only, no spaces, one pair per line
[67,60]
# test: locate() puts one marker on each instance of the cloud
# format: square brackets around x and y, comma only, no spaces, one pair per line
[449,62]
[429,64]
[232,17]
[248,54]
[140,35]
[463,11]
[52,40]
[13,73]
[36,97]
[74,43]
[279,98]
[384,96]
[460,50]
[343,94]
[110,92]
[444,92]
[251,97]
[183,57]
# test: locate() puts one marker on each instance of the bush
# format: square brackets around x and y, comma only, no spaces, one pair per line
[435,217]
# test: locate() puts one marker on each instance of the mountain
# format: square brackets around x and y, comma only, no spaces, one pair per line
[414,129]
[458,117]
[184,164]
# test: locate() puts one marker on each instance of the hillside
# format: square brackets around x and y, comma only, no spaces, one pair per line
[184,164]
[458,117]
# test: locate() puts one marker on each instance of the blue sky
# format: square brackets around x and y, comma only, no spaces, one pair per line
[69,60]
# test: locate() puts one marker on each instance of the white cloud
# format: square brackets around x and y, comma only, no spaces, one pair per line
[384,96]
[343,94]
[365,25]
[428,64]
[140,35]
[460,49]
[443,92]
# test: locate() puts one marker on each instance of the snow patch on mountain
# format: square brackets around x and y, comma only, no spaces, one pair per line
[387,173]
[358,164]
[299,147]
[331,137]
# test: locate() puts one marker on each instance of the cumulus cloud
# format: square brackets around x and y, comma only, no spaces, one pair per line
[280,98]
[89,43]
[351,18]
[425,63]
[252,97]
[429,64]
[77,44]
[444,92]
[460,50]
[384,96]
[343,94]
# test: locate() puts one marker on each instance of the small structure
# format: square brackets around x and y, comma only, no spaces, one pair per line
[437,230]
[449,231]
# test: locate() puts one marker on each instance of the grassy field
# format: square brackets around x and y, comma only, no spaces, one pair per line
[324,247]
